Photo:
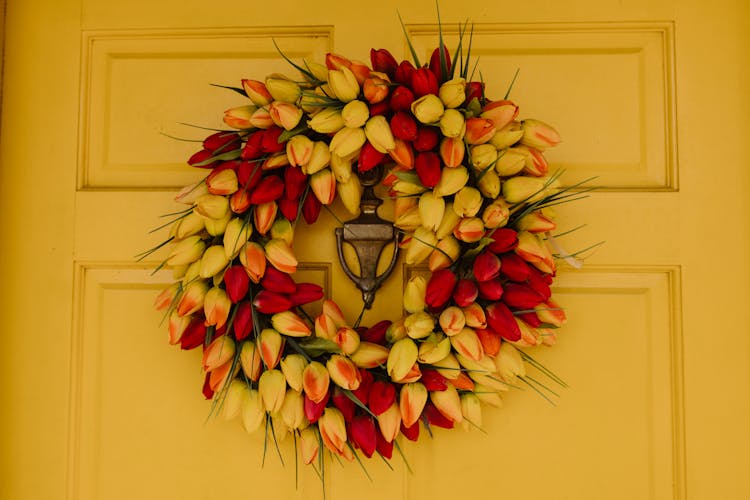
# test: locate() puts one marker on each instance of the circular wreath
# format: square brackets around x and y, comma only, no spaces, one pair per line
[471,190]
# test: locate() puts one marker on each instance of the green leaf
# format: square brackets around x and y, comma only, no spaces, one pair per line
[317,346]
[299,68]
[441,46]
[408,41]
[510,87]
[411,177]
[349,394]
[229,155]
[236,89]
[288,134]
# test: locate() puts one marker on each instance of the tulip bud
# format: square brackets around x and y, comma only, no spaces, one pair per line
[186,251]
[234,399]
[507,136]
[375,88]
[217,227]
[189,225]
[402,356]
[452,151]
[282,89]
[403,126]
[452,320]
[501,320]
[434,349]
[520,189]
[369,355]
[539,135]
[475,317]
[483,156]
[284,114]
[379,134]
[509,363]
[414,294]
[347,339]
[467,202]
[419,325]
[281,256]
[467,344]
[486,266]
[550,312]
[272,390]
[534,251]
[451,181]
[535,163]
[253,259]
[327,121]
[448,403]
[213,261]
[411,403]
[395,331]
[333,429]
[239,117]
[355,114]
[292,366]
[250,360]
[445,254]
[428,109]
[299,150]
[389,422]
[315,381]
[177,326]
[402,154]
[218,352]
[469,230]
[343,372]
[253,414]
[452,124]
[479,130]
[510,162]
[194,334]
[350,193]
[290,324]
[536,222]
[189,194]
[347,141]
[323,185]
[448,223]
[427,165]
[257,92]
[216,307]
[496,214]
[471,409]
[420,247]
[344,84]
[453,92]
[236,235]
[439,288]
[431,210]
[222,182]
[503,240]
[271,346]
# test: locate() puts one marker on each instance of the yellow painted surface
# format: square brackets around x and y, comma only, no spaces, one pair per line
[649,95]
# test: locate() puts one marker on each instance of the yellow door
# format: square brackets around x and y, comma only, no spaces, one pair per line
[649,96]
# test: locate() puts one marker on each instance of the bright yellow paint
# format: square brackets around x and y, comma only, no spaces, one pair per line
[650,95]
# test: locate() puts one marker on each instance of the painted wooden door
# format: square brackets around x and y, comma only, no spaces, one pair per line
[649,97]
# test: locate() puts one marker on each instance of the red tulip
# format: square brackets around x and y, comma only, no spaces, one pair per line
[208,393]
[427,165]
[270,141]
[270,302]
[401,99]
[434,417]
[343,403]
[540,282]
[384,447]
[380,108]
[201,156]
[402,154]
[382,396]
[314,410]
[514,268]
[363,433]
[249,174]
[439,288]
[289,208]
[362,393]
[474,90]
[433,380]
[295,182]
[194,335]
[383,62]
[502,321]
[503,240]
[435,66]
[376,333]
[489,339]
[530,319]
[243,320]
[404,126]
[486,266]
[311,208]
[466,293]
[521,296]
[410,433]
[427,138]
[269,189]
[423,82]
[369,157]
[490,290]
[306,293]
[222,142]
[236,282]
[404,72]
[278,281]
[253,147]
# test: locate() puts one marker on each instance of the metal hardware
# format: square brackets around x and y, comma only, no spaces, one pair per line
[368,234]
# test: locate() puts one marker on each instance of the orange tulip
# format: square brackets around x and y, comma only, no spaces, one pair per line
[250,360]
[343,372]
[452,151]
[281,256]
[479,130]
[475,317]
[315,381]
[539,135]
[220,376]
[447,251]
[264,216]
[323,185]
[332,310]
[271,346]
[411,403]
[290,324]
[216,306]
[177,326]
[390,422]
[452,320]
[347,339]
[467,344]
[192,298]
[448,403]
[308,445]
[333,430]
[369,355]
[469,230]
[218,352]
[253,259]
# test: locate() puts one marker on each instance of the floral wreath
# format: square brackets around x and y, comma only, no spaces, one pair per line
[471,191]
